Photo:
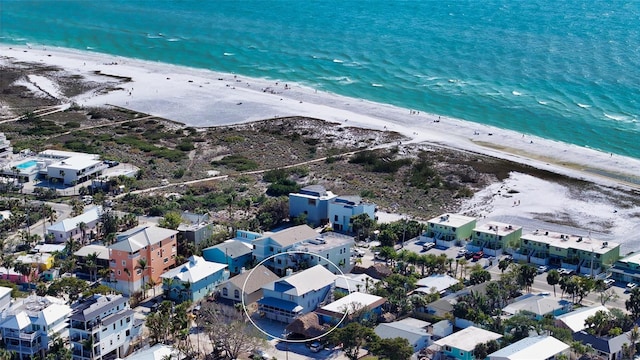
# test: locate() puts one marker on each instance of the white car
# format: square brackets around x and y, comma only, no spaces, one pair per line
[315,347]
[609,283]
[542,268]
[631,286]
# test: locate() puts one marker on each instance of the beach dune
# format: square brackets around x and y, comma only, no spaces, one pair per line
[203,98]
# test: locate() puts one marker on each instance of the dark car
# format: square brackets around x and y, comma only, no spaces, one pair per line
[478,255]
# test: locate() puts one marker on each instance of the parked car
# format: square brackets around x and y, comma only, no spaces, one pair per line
[631,286]
[542,268]
[358,252]
[428,246]
[315,347]
[566,272]
[462,252]
[609,283]
[478,255]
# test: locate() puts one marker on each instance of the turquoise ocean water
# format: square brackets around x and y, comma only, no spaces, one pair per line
[568,70]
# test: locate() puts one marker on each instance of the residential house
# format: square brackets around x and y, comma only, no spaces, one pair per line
[439,283]
[156,352]
[297,294]
[575,320]
[30,324]
[301,247]
[5,298]
[366,305]
[627,269]
[582,254]
[534,347]
[102,259]
[494,237]
[606,347]
[419,333]
[349,283]
[5,147]
[444,305]
[235,254]
[48,248]
[63,230]
[101,327]
[313,202]
[155,246]
[72,168]
[251,281]
[41,261]
[343,208]
[193,280]
[13,276]
[449,230]
[537,306]
[460,345]
[195,227]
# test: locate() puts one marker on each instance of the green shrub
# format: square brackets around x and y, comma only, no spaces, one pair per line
[237,162]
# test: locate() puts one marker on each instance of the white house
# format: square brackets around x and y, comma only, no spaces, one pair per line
[537,306]
[156,352]
[575,320]
[72,167]
[438,282]
[414,330]
[534,347]
[65,229]
[294,295]
[107,321]
[5,298]
[252,280]
[29,324]
[320,249]
[460,345]
[343,208]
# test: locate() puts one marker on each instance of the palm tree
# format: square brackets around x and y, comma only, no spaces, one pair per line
[633,336]
[143,266]
[463,267]
[92,264]
[7,261]
[126,271]
[6,354]
[152,284]
[186,290]
[83,229]
[77,207]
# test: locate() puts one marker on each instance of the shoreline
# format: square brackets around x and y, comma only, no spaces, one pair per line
[204,98]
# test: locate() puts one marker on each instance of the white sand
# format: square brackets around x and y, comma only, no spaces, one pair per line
[198,98]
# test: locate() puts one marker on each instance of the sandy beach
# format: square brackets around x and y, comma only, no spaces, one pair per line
[203,98]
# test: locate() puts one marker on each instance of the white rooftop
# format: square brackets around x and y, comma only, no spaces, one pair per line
[4,291]
[535,347]
[76,163]
[49,248]
[353,302]
[194,270]
[575,320]
[536,304]
[156,352]
[410,328]
[565,241]
[494,227]
[311,279]
[355,282]
[453,220]
[467,339]
[102,251]
[440,282]
[90,215]
[141,236]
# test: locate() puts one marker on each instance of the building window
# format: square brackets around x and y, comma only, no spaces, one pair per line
[119,272]
[166,260]
[124,263]
[312,202]
[271,248]
[225,292]
[236,294]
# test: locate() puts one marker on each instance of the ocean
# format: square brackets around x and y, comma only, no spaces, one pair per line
[566,71]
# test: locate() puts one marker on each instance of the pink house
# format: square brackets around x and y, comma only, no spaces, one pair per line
[155,246]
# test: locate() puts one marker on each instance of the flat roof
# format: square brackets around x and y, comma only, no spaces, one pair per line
[565,241]
[631,258]
[534,347]
[75,163]
[467,339]
[353,302]
[494,227]
[453,220]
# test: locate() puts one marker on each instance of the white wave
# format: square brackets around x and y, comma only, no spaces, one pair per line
[90,48]
[516,93]
[616,117]
[338,61]
[541,102]
[376,85]
[453,80]
[432,78]
[173,39]
[583,106]
[149,36]
[228,54]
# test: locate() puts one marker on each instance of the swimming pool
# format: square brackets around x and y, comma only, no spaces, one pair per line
[27,164]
